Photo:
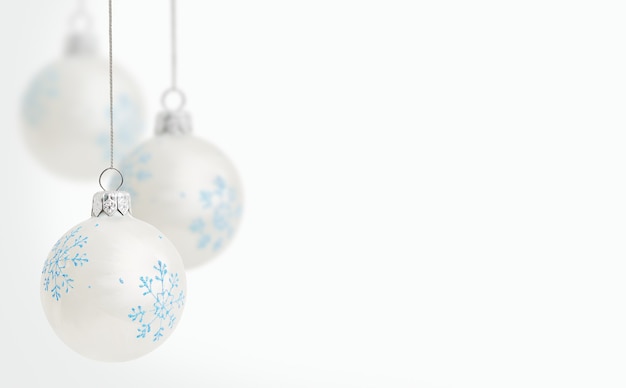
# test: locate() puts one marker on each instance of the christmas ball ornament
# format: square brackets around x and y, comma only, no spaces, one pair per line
[64,112]
[113,287]
[186,187]
[182,184]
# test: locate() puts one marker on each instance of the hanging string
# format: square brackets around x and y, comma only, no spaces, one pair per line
[174,52]
[111,76]
[173,90]
[111,133]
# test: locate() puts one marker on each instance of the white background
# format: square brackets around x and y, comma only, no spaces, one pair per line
[435,193]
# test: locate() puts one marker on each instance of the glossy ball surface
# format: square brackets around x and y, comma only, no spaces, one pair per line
[65,115]
[113,288]
[187,188]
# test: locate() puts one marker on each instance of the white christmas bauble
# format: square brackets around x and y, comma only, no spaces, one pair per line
[65,114]
[113,287]
[187,188]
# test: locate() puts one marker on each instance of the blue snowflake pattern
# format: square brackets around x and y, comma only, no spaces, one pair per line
[199,226]
[64,253]
[128,125]
[136,167]
[225,209]
[44,88]
[161,315]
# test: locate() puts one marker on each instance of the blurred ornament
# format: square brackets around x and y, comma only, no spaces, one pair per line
[182,184]
[186,187]
[65,108]
[113,287]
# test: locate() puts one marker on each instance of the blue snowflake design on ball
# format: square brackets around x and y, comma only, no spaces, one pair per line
[224,209]
[135,166]
[44,88]
[160,315]
[66,252]
[128,125]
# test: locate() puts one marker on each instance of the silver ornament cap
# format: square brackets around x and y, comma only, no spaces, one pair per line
[80,44]
[173,122]
[110,203]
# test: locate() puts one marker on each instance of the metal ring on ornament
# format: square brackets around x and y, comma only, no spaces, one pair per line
[80,21]
[113,169]
[173,92]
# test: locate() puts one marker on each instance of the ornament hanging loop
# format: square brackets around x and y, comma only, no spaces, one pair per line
[80,20]
[111,169]
[173,99]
